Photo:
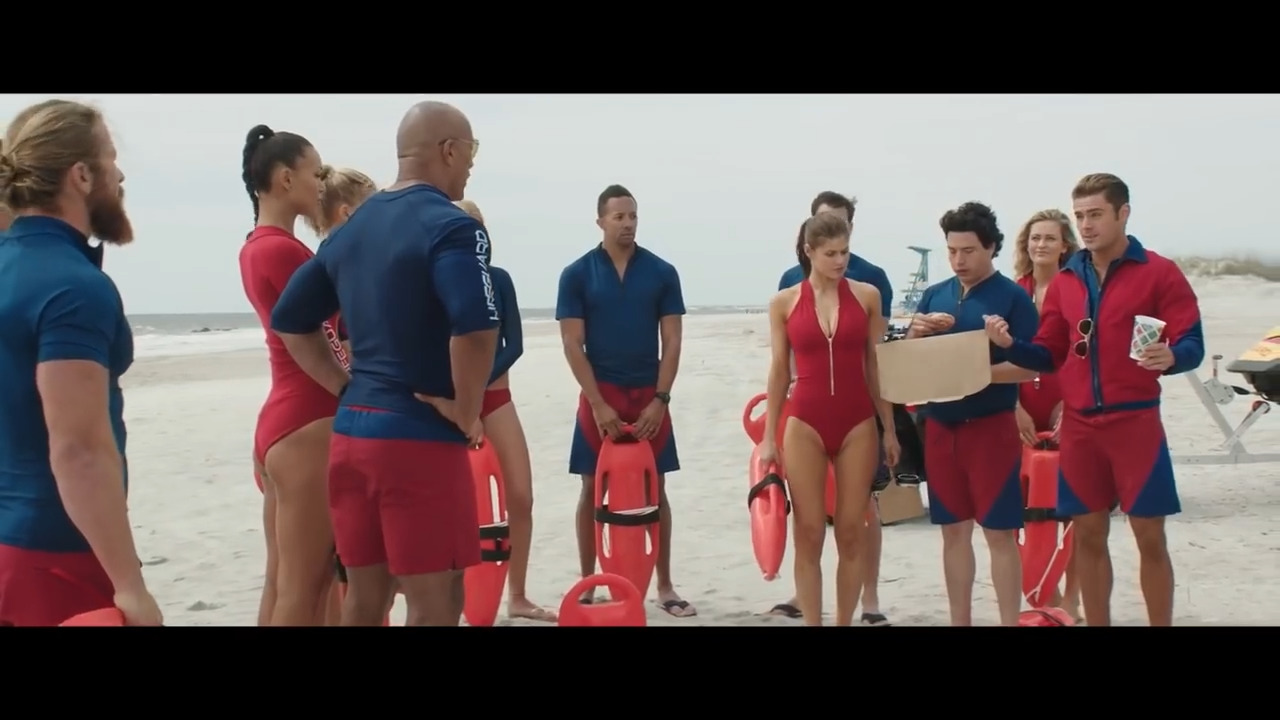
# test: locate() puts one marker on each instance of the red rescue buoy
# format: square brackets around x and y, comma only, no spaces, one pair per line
[624,608]
[768,505]
[754,425]
[485,583]
[627,509]
[104,617]
[1045,546]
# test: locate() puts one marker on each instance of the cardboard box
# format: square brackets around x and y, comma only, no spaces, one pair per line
[899,503]
[934,369]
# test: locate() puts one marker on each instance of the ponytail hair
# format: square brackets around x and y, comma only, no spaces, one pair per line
[264,149]
[258,135]
[801,255]
[816,231]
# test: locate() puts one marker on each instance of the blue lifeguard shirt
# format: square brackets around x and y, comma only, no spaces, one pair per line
[622,314]
[55,304]
[859,270]
[997,295]
[510,333]
[409,270]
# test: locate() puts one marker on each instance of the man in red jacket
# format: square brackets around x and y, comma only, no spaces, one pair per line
[1113,444]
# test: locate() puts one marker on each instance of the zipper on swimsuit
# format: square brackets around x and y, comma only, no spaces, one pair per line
[831,364]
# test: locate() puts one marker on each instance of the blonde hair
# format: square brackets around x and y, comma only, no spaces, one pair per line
[1022,256]
[42,143]
[340,186]
[471,209]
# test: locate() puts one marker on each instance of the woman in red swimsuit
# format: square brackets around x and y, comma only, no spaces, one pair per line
[282,173]
[502,427]
[832,325]
[1044,244]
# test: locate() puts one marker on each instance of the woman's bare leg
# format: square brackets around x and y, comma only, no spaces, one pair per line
[502,428]
[855,468]
[298,465]
[267,604]
[806,480]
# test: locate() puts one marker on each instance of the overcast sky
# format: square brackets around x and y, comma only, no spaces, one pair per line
[722,182]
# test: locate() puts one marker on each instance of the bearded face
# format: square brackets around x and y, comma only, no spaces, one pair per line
[107,219]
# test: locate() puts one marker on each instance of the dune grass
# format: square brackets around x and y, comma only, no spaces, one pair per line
[1230,266]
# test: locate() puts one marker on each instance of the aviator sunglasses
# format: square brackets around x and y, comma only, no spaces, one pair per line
[475,145]
[1081,346]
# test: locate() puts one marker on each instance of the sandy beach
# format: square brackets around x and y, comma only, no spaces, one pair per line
[198,513]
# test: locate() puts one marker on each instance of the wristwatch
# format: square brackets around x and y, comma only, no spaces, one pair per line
[663,397]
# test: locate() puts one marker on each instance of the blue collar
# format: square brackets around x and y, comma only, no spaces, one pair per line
[43,225]
[1083,259]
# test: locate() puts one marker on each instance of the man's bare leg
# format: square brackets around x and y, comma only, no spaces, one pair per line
[1156,569]
[1006,573]
[872,546]
[1093,566]
[668,600]
[587,531]
[365,602]
[432,599]
[959,569]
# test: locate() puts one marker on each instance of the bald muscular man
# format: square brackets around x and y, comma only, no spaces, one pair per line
[418,304]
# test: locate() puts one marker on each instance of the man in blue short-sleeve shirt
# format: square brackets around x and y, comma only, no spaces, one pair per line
[862,271]
[66,544]
[410,273]
[972,449]
[614,306]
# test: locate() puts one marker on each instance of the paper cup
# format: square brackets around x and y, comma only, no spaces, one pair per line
[1146,331]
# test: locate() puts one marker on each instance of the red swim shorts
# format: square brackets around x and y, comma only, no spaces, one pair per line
[408,503]
[628,403]
[44,589]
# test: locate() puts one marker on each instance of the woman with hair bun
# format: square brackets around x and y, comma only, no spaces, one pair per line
[283,176]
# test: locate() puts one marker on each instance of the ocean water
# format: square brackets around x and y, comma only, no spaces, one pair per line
[198,333]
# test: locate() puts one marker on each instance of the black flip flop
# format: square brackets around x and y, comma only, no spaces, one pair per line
[786,610]
[669,605]
[875,620]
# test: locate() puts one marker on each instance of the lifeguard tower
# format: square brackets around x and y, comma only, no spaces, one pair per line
[918,282]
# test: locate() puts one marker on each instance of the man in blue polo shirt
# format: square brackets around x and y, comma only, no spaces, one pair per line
[972,449]
[614,305]
[66,545]
[410,272]
[863,271]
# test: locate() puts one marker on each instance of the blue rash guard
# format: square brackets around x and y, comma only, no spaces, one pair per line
[622,316]
[409,271]
[511,334]
[997,295]
[859,270]
[55,304]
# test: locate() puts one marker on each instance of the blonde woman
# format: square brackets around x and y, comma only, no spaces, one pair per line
[1044,244]
[342,190]
[502,428]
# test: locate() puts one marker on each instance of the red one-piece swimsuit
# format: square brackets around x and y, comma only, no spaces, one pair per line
[267,261]
[830,392]
[1039,396]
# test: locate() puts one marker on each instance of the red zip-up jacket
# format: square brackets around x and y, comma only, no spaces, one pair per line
[1106,379]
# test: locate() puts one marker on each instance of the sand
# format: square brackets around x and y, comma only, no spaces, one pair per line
[197,512]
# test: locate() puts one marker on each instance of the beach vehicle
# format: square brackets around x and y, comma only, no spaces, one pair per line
[1260,368]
